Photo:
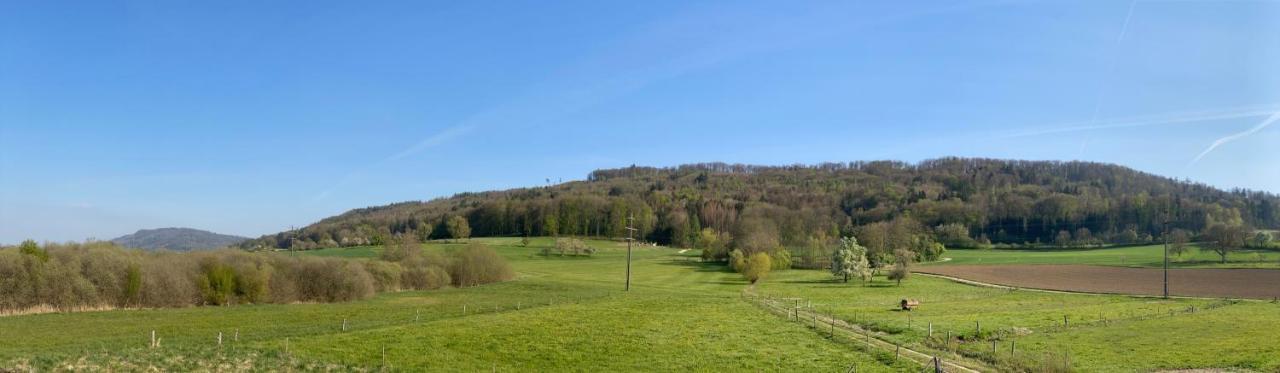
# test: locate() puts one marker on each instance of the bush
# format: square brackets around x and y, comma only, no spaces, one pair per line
[781,259]
[573,246]
[435,277]
[68,277]
[217,282]
[478,264]
[737,260]
[168,281]
[386,275]
[94,275]
[332,280]
[757,267]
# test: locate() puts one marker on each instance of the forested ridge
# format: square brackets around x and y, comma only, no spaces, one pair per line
[179,239]
[955,201]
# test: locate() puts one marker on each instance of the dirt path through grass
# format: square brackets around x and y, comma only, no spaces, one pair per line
[854,332]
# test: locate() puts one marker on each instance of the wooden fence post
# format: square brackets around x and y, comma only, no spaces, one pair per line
[153,338]
[931,329]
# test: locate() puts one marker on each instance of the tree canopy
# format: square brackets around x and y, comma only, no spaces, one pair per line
[952,201]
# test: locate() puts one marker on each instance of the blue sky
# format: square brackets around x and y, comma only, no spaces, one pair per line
[249,117]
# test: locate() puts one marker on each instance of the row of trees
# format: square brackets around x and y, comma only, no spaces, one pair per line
[90,275]
[958,202]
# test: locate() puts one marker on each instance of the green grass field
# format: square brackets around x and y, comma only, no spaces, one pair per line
[561,313]
[1128,256]
[569,313]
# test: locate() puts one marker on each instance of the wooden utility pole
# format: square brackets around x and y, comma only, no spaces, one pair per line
[1166,254]
[630,230]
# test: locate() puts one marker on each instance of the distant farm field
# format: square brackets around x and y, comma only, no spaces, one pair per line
[1200,282]
[1149,256]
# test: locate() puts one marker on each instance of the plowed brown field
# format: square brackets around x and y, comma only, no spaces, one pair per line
[1227,283]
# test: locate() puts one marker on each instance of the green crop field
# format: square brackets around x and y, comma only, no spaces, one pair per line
[1127,256]
[569,313]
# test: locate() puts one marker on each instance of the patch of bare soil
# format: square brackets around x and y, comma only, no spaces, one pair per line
[1204,282]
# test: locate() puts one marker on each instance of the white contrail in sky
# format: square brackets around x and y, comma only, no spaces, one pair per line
[1233,137]
[1125,27]
[1156,119]
[433,140]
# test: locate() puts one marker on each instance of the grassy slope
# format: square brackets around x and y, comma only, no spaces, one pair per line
[680,315]
[572,316]
[1129,256]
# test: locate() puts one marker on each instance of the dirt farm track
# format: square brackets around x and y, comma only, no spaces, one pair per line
[1218,283]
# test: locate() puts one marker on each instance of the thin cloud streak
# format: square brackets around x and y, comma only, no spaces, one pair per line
[432,141]
[1153,120]
[1125,27]
[1233,137]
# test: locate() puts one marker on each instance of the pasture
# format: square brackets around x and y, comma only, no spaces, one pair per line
[569,313]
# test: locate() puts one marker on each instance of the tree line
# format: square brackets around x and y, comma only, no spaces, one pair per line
[948,202]
[99,274]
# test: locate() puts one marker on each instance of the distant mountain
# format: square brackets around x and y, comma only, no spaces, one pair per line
[178,239]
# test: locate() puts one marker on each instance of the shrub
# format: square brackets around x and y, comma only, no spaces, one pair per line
[573,246]
[435,277]
[478,264]
[757,267]
[29,247]
[737,260]
[386,275]
[217,282]
[332,280]
[168,280]
[133,285]
[404,247]
[99,274]
[781,259]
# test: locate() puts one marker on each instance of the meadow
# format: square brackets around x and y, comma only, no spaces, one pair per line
[569,313]
[561,313]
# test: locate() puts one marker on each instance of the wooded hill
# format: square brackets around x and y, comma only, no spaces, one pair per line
[956,201]
[177,239]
